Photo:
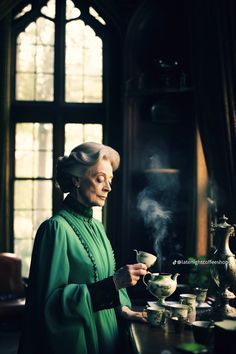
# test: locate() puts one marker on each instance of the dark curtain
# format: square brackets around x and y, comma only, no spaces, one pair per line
[214,53]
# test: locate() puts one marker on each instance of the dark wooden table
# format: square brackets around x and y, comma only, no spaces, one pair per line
[150,340]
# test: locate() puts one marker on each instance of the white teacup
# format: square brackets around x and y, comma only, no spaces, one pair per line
[179,311]
[155,315]
[201,295]
[146,258]
[190,300]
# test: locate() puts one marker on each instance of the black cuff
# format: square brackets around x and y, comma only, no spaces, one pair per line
[104,294]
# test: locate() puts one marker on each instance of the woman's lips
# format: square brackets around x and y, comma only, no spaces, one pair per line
[102,197]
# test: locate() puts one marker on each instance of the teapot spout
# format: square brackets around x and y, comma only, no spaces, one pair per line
[136,252]
[175,276]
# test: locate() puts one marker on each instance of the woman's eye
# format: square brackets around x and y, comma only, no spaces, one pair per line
[100,179]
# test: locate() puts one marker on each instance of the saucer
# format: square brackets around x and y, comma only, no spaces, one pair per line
[156,304]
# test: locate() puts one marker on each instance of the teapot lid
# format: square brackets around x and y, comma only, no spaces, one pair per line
[223,222]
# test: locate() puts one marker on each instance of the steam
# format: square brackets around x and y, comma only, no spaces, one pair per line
[156,202]
[154,215]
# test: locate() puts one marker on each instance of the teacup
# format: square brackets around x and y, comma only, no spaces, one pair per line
[200,295]
[146,258]
[155,315]
[203,332]
[190,300]
[225,336]
[179,310]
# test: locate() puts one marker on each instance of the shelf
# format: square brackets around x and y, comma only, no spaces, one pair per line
[162,170]
[158,91]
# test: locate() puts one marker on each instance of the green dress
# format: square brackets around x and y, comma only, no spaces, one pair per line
[71,251]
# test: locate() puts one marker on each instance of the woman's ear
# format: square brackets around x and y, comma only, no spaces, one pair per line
[76,182]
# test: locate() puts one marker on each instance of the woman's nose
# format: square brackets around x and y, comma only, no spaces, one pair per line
[107,186]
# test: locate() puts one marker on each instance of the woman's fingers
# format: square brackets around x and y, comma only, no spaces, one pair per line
[129,275]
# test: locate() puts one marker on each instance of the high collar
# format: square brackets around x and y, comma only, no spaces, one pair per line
[77,207]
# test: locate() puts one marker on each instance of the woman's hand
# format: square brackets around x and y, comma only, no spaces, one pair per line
[129,275]
[132,315]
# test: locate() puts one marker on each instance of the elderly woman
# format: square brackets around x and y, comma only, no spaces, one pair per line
[74,290]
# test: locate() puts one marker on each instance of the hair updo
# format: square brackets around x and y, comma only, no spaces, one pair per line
[80,159]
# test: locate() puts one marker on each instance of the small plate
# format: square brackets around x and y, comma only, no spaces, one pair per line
[167,303]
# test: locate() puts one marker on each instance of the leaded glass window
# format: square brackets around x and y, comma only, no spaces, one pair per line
[35,62]
[57,104]
[33,184]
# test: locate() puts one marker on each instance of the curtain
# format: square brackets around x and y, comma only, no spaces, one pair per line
[214,51]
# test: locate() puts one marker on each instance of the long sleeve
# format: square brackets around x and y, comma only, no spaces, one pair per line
[104,294]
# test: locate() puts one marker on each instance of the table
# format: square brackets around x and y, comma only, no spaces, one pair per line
[151,340]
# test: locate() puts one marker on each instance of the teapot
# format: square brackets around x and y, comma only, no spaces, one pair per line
[223,270]
[161,285]
[146,258]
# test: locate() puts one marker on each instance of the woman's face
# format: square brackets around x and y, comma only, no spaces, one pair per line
[96,184]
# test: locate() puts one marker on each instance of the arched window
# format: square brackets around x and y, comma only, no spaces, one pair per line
[58,102]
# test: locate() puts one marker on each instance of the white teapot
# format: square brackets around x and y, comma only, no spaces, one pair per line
[161,285]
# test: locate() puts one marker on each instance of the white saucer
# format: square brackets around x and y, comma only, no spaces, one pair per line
[204,305]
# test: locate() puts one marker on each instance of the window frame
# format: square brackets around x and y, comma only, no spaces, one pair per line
[57,112]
